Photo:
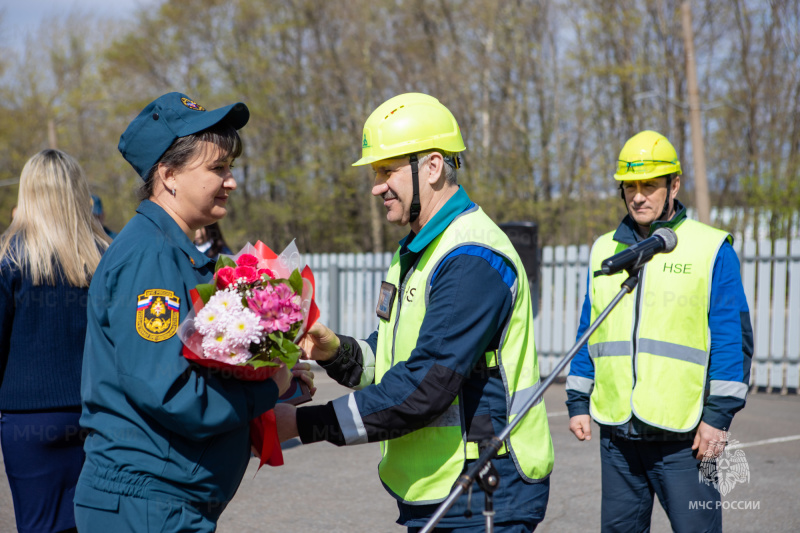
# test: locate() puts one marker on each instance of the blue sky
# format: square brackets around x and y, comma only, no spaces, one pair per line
[20,17]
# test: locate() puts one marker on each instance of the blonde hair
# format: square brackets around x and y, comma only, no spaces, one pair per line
[54,226]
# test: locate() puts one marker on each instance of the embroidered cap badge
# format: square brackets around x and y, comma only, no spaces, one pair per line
[191,104]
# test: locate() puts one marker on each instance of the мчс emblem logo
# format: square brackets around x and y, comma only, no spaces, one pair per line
[726,470]
[157,314]
[191,104]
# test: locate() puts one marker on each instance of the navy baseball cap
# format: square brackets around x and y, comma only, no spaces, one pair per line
[167,118]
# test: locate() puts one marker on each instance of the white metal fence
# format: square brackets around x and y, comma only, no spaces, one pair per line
[770,273]
[352,280]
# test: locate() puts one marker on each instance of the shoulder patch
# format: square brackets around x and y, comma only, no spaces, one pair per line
[157,314]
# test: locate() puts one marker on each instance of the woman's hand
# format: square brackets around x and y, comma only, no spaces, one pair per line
[282,378]
[319,343]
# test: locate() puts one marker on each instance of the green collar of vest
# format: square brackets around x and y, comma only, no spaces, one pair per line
[436,225]
[627,231]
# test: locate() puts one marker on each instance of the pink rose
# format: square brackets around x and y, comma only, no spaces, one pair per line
[270,274]
[247,272]
[225,277]
[247,260]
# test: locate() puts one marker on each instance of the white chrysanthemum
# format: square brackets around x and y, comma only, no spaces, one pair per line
[229,299]
[238,355]
[244,328]
[216,346]
[221,348]
[211,319]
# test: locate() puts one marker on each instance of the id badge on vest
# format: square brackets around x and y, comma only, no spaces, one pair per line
[385,300]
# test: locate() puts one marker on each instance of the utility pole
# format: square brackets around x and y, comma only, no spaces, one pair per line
[702,202]
[51,134]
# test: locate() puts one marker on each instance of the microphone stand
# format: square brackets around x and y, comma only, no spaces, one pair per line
[482,466]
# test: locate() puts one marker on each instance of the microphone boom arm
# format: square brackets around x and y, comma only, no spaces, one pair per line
[465,481]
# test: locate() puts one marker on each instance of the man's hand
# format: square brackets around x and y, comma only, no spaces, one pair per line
[303,372]
[581,426]
[709,441]
[286,420]
[319,343]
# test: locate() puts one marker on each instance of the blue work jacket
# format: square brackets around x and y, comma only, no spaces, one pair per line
[470,303]
[731,344]
[159,427]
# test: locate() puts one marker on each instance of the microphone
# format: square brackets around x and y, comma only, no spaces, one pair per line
[663,240]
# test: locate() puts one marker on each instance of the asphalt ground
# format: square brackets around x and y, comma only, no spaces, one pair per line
[322,488]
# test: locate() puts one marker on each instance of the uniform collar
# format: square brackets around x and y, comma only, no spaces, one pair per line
[627,231]
[173,233]
[436,225]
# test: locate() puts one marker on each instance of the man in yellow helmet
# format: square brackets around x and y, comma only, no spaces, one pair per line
[452,361]
[664,374]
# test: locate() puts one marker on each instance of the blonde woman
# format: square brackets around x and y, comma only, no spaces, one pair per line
[47,258]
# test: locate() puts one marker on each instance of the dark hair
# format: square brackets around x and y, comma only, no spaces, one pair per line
[218,245]
[184,149]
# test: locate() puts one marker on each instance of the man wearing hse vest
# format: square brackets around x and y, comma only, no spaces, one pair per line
[664,374]
[453,360]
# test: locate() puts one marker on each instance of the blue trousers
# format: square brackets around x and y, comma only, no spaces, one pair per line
[633,470]
[43,454]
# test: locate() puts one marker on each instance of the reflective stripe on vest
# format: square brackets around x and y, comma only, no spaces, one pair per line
[665,321]
[422,466]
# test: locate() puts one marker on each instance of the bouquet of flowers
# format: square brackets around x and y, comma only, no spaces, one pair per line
[248,319]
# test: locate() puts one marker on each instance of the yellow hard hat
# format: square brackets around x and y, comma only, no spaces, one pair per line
[408,124]
[647,155]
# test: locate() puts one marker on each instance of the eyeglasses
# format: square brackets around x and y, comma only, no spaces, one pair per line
[640,167]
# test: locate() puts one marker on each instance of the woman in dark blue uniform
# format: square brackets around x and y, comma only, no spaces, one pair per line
[168,441]
[47,258]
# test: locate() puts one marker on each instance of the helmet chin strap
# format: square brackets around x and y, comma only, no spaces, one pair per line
[415,205]
[665,211]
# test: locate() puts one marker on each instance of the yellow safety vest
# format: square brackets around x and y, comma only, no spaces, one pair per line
[422,467]
[651,354]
